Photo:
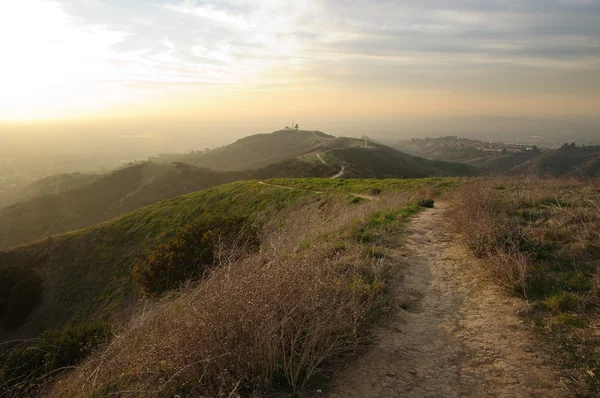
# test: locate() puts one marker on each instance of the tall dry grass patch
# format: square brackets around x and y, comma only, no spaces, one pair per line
[276,319]
[540,237]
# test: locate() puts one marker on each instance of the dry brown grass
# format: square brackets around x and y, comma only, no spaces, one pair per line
[272,320]
[540,237]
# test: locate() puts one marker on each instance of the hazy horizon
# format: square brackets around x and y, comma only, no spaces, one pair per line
[239,61]
[108,82]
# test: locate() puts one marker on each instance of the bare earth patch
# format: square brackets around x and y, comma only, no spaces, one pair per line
[452,333]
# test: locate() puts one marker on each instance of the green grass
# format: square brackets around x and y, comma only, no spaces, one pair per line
[87,273]
[551,226]
[379,224]
[365,186]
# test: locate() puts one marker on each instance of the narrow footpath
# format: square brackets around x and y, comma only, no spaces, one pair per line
[452,332]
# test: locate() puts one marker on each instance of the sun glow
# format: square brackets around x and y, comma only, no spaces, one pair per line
[50,65]
[70,59]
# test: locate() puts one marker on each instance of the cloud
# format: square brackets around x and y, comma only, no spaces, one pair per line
[177,45]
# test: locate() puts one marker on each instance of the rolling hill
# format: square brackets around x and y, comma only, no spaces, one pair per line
[255,151]
[124,190]
[566,161]
[86,274]
[501,163]
[380,161]
[142,184]
[47,186]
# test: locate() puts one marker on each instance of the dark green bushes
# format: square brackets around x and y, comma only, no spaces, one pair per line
[21,292]
[426,202]
[26,366]
[190,253]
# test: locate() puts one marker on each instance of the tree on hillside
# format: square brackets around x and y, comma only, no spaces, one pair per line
[296,126]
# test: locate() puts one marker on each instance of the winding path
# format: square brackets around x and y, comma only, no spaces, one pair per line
[338,175]
[452,332]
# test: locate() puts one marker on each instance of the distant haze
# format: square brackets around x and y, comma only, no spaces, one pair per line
[236,60]
[135,78]
[135,140]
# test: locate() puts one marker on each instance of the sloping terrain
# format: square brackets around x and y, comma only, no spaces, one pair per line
[87,273]
[47,186]
[501,163]
[298,154]
[380,161]
[566,161]
[125,190]
[255,151]
[447,335]
[392,280]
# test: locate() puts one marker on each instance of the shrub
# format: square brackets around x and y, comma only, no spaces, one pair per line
[21,292]
[564,302]
[26,366]
[278,319]
[189,254]
[426,202]
[569,320]
[265,324]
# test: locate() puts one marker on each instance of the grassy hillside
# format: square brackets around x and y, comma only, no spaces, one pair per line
[380,161]
[108,196]
[300,154]
[368,186]
[125,190]
[47,186]
[255,151]
[501,163]
[87,273]
[566,161]
[539,238]
[323,255]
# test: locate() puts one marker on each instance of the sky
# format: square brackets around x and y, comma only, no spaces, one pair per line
[238,61]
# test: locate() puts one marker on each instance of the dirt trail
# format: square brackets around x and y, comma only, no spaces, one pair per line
[338,175]
[452,333]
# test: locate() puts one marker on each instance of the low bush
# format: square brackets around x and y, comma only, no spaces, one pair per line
[426,202]
[21,289]
[266,324]
[27,366]
[569,321]
[564,302]
[190,253]
[276,320]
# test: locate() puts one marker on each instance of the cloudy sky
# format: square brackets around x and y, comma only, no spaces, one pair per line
[300,58]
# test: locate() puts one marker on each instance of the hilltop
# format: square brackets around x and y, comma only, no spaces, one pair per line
[304,154]
[254,151]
